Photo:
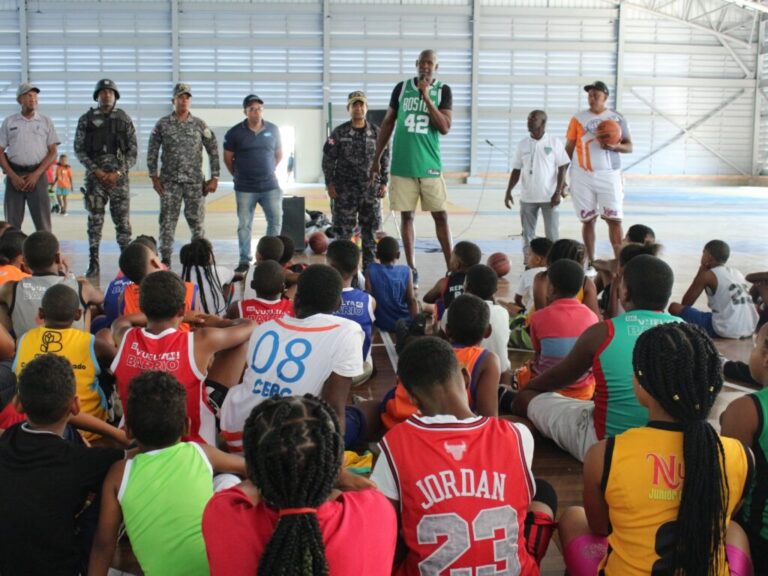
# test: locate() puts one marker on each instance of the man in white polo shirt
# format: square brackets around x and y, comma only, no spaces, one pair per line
[28,142]
[539,166]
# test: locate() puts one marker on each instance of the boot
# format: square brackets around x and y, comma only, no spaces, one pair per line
[93,265]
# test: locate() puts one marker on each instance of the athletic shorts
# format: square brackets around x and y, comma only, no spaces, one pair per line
[405,194]
[567,421]
[584,554]
[63,191]
[597,194]
[354,426]
[701,319]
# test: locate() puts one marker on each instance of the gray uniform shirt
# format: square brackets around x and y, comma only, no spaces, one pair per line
[26,140]
[182,144]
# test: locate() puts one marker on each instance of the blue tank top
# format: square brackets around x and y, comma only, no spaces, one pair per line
[389,285]
[112,298]
[356,306]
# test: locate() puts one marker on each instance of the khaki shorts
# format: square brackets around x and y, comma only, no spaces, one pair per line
[567,421]
[406,193]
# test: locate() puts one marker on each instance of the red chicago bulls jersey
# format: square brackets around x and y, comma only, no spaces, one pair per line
[262,310]
[171,351]
[464,490]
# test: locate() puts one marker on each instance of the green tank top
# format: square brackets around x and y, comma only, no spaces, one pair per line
[616,407]
[416,149]
[755,508]
[163,495]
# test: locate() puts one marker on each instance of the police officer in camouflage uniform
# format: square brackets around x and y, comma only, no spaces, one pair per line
[182,137]
[347,158]
[105,144]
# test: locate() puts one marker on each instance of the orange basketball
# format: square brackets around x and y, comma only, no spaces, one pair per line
[500,263]
[608,132]
[318,242]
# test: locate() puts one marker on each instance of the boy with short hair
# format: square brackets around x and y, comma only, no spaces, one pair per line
[160,493]
[537,262]
[59,309]
[746,419]
[391,284]
[161,345]
[20,300]
[45,480]
[555,328]
[482,281]
[463,256]
[356,305]
[733,314]
[457,499]
[12,265]
[137,262]
[314,353]
[606,347]
[270,303]
[468,324]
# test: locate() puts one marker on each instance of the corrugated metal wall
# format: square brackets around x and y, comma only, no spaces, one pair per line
[687,72]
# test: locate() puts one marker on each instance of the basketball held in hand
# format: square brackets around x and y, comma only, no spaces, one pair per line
[500,264]
[608,132]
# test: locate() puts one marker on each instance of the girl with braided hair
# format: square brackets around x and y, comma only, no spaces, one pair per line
[199,267]
[288,518]
[658,499]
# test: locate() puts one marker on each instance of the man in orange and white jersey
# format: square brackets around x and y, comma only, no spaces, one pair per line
[596,181]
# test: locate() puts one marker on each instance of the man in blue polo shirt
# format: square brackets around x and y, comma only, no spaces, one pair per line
[252,151]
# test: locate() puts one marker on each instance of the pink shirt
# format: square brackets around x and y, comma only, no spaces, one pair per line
[359,530]
[554,331]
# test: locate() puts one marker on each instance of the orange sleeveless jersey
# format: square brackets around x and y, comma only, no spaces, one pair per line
[131,301]
[9,273]
[397,406]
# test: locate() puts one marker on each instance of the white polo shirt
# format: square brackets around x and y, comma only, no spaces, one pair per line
[26,140]
[538,161]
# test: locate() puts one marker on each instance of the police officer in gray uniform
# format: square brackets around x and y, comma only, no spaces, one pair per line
[105,144]
[182,137]
[347,158]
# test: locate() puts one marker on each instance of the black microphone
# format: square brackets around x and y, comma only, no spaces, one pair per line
[491,144]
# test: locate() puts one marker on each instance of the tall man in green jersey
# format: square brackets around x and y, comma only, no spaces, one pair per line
[420,109]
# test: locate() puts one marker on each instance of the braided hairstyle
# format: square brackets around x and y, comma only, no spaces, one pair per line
[678,365]
[293,453]
[199,266]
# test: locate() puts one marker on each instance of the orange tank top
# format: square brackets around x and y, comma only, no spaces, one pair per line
[131,301]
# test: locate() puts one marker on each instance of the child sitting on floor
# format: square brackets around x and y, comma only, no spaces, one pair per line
[733,314]
[160,493]
[391,284]
[287,517]
[213,281]
[463,479]
[12,265]
[746,419]
[463,257]
[356,305]
[537,262]
[658,499]
[555,328]
[270,302]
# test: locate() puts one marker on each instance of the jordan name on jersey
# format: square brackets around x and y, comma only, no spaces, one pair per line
[464,482]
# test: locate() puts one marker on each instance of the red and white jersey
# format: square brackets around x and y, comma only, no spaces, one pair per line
[464,487]
[262,310]
[291,357]
[171,351]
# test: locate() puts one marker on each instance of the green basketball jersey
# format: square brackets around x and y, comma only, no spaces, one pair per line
[755,508]
[162,496]
[416,150]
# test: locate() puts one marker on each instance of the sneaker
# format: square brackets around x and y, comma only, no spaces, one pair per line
[415,278]
[590,271]
[64,213]
[55,209]
[242,268]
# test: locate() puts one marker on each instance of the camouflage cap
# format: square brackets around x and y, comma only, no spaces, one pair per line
[25,87]
[182,88]
[357,96]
